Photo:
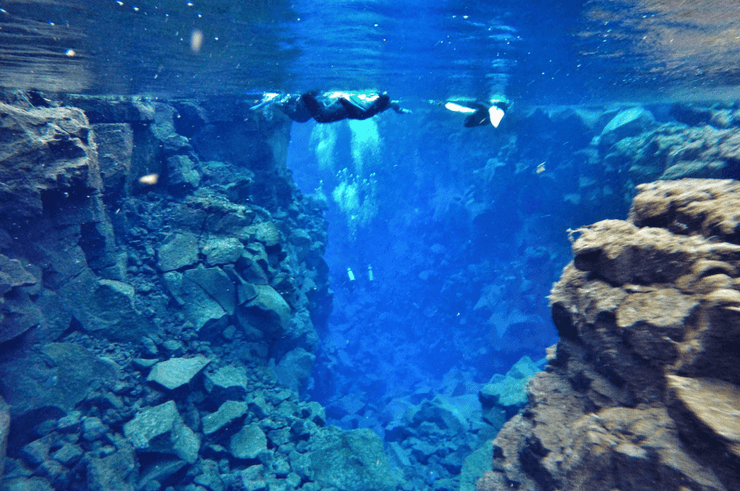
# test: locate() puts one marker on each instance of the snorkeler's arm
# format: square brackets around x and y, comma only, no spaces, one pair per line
[396,107]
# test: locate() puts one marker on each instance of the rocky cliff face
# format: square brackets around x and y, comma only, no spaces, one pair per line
[642,392]
[161,279]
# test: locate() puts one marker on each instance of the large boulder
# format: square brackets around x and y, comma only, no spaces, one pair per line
[629,122]
[56,377]
[58,137]
[192,291]
[105,308]
[352,460]
[176,372]
[294,369]
[267,312]
[643,392]
[160,429]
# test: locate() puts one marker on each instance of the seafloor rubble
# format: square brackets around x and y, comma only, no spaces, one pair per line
[152,329]
[642,392]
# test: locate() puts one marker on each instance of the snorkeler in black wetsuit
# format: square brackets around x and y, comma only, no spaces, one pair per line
[294,107]
[328,109]
[348,107]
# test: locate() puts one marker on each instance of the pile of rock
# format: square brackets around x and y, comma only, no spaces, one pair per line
[196,429]
[643,391]
[157,287]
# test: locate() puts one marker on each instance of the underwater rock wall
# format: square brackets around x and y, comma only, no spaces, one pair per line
[642,391]
[160,289]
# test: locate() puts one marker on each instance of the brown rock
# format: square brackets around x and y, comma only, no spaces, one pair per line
[653,322]
[58,137]
[720,418]
[645,304]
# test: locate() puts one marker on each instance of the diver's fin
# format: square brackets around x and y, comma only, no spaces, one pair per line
[496,114]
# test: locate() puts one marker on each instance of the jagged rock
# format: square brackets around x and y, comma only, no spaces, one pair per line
[268,312]
[59,137]
[209,478]
[248,443]
[633,449]
[227,383]
[720,418]
[114,472]
[475,466]
[18,313]
[265,232]
[158,472]
[227,413]
[421,450]
[352,460]
[302,241]
[105,307]
[629,122]
[182,177]
[675,151]
[177,372]
[178,250]
[254,264]
[222,250]
[114,109]
[13,274]
[161,429]
[259,406]
[27,484]
[93,429]
[643,392]
[62,369]
[294,369]
[438,412]
[216,284]
[508,392]
[163,130]
[68,455]
[314,412]
[115,144]
[199,306]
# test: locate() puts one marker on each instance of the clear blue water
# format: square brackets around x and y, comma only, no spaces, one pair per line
[539,51]
[461,270]
[410,171]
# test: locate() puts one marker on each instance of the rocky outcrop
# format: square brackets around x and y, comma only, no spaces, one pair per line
[642,392]
[150,280]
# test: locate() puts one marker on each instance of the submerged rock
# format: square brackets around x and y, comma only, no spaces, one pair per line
[644,391]
[177,372]
[161,429]
[57,377]
[352,460]
[248,443]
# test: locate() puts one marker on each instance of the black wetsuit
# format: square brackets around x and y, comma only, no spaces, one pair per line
[356,111]
[296,109]
[324,113]
[342,108]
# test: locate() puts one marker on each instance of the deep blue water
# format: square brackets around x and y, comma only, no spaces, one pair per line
[400,189]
